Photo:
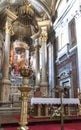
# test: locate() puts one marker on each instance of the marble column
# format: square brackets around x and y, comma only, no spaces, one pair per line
[32,60]
[27,56]
[5,87]
[37,66]
[44,83]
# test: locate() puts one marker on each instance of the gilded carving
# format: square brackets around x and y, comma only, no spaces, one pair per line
[44,37]
[8,28]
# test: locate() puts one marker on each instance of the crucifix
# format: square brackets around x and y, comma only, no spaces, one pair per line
[61,90]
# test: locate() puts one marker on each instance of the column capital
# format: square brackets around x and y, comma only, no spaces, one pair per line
[44,37]
[8,27]
[44,34]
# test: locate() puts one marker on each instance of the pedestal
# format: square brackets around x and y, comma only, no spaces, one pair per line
[5,90]
[25,89]
[23,117]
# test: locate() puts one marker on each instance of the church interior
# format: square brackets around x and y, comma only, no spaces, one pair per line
[40,61]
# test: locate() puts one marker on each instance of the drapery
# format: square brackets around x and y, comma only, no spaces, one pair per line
[54,101]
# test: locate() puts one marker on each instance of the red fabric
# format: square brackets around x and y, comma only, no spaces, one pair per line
[68,126]
[46,127]
[17,68]
[31,118]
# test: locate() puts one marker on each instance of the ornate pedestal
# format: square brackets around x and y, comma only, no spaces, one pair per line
[25,89]
[24,96]
[5,90]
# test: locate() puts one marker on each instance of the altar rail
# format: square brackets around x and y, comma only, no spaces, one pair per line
[54,101]
[46,106]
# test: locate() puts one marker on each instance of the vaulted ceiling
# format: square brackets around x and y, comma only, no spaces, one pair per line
[44,8]
[28,13]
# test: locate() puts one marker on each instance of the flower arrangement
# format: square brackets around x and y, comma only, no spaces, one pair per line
[56,114]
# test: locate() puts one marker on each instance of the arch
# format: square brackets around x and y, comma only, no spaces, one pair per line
[42,6]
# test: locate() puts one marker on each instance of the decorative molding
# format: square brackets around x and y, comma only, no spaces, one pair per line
[61,19]
[44,23]
[10,14]
[44,37]
[77,14]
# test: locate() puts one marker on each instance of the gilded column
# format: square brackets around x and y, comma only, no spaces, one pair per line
[46,110]
[23,117]
[44,83]
[5,80]
[37,65]
[25,89]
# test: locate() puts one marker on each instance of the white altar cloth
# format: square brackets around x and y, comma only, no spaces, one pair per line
[54,101]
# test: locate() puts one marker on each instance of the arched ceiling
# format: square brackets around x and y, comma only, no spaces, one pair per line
[44,8]
[29,13]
